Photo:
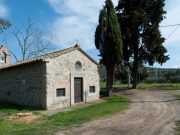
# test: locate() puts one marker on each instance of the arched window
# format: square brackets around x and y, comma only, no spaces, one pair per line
[78,65]
[3,57]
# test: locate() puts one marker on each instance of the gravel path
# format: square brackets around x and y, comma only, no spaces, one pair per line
[151,113]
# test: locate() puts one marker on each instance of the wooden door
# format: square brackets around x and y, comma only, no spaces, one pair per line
[78,90]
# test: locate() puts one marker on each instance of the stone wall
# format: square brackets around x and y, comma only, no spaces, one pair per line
[35,84]
[24,85]
[60,74]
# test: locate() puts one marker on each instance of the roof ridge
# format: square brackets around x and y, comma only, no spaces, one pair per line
[51,55]
[44,56]
[58,51]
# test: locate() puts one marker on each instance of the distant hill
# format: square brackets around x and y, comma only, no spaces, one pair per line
[154,75]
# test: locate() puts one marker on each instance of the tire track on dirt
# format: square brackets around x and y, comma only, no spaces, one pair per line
[147,115]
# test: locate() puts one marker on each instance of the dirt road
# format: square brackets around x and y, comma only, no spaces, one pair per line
[151,113]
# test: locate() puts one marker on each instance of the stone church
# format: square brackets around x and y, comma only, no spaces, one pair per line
[58,79]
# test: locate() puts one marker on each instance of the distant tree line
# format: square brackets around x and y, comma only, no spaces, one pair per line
[121,74]
[161,75]
[146,74]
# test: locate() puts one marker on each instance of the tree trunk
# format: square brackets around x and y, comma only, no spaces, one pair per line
[135,63]
[135,67]
[109,84]
[135,75]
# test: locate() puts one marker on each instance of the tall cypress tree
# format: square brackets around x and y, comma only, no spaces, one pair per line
[108,41]
[142,39]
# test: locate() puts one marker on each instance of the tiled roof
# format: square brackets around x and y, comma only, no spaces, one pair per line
[44,58]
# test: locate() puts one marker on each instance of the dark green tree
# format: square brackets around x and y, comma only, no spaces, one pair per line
[108,41]
[142,39]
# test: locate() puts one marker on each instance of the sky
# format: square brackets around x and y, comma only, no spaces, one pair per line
[75,21]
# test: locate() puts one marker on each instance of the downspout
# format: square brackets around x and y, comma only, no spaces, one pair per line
[46,87]
[86,94]
[70,90]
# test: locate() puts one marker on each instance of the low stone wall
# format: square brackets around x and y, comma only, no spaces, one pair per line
[24,85]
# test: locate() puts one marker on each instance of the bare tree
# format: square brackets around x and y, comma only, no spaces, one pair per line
[31,41]
[4,24]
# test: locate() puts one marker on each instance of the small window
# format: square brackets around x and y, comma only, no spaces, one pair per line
[92,89]
[60,92]
[78,65]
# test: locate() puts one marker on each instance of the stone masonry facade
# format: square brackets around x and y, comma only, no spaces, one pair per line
[61,72]
[35,82]
[24,85]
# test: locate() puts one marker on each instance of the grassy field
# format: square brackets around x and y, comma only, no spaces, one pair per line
[159,86]
[9,108]
[61,120]
[117,84]
[144,86]
[177,128]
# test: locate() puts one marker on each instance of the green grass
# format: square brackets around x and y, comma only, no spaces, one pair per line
[144,86]
[177,128]
[159,86]
[10,108]
[177,97]
[116,85]
[61,120]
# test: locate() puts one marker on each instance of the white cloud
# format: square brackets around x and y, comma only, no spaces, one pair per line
[171,18]
[76,22]
[59,6]
[172,42]
[77,19]
[3,9]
